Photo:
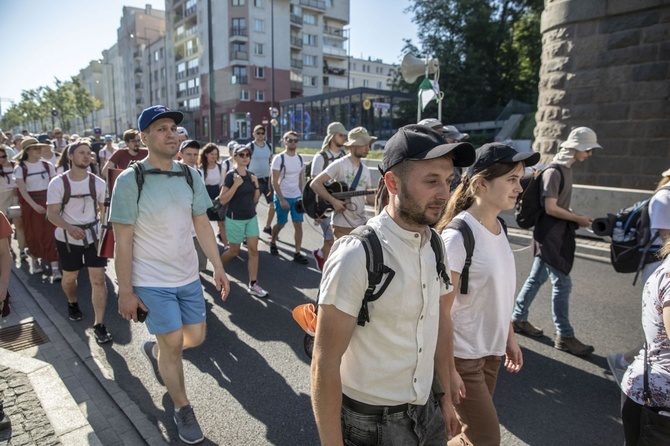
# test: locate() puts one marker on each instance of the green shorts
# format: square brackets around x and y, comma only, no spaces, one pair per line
[237,230]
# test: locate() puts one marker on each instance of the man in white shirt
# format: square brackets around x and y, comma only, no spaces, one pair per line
[287,168]
[385,368]
[349,213]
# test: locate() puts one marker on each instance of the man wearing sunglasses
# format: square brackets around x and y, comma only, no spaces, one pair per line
[262,152]
[287,177]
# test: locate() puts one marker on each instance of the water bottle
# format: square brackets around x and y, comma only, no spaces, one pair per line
[630,236]
[617,232]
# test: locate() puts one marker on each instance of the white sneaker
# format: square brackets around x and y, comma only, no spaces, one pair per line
[56,275]
[37,266]
[256,290]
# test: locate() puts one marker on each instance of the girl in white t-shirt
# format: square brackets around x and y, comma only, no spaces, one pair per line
[481,315]
[213,173]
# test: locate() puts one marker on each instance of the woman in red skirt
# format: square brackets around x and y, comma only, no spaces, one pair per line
[32,178]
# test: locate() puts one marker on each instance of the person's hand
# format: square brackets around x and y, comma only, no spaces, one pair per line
[584,221]
[457,387]
[338,205]
[221,282]
[450,419]
[76,232]
[254,180]
[39,209]
[513,356]
[284,204]
[128,304]
[237,180]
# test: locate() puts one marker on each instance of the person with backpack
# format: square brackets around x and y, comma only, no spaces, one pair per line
[9,197]
[484,280]
[287,182]
[659,223]
[156,263]
[332,149]
[261,157]
[32,179]
[122,158]
[553,243]
[374,382]
[75,200]
[213,172]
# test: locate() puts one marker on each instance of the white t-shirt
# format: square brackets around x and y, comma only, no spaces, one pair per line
[659,218]
[7,181]
[216,174]
[105,154]
[481,318]
[53,159]
[38,178]
[77,211]
[289,176]
[343,170]
[390,361]
[59,146]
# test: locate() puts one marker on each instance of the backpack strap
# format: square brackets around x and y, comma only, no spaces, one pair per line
[462,226]
[374,263]
[67,192]
[139,177]
[141,171]
[438,248]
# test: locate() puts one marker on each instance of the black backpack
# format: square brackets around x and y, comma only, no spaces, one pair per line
[637,247]
[462,226]
[141,171]
[529,205]
[379,273]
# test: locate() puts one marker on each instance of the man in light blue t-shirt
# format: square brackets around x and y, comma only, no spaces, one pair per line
[155,259]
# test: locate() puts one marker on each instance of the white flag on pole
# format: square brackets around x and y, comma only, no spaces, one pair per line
[428,90]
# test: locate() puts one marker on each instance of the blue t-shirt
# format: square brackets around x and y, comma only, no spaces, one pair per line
[163,250]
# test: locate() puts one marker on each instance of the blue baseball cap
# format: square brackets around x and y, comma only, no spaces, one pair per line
[97,130]
[151,114]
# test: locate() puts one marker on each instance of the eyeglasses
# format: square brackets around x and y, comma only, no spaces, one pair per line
[260,133]
[291,140]
[244,155]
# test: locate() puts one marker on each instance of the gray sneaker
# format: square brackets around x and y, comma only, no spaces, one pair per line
[187,426]
[148,351]
[614,361]
[572,345]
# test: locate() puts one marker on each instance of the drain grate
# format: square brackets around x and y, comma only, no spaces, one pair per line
[22,336]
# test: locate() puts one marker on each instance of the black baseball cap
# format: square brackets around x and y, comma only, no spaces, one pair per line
[492,153]
[189,143]
[418,142]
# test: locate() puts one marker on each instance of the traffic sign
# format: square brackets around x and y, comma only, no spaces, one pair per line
[265,121]
[54,112]
[274,112]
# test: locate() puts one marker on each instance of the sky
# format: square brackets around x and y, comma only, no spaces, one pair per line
[64,36]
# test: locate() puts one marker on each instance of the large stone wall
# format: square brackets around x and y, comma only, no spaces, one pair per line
[606,65]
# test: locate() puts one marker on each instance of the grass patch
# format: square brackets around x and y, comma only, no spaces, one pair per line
[373,154]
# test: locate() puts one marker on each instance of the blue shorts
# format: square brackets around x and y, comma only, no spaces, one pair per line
[237,230]
[282,215]
[172,308]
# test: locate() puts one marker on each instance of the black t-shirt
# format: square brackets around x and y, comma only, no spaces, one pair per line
[241,206]
[97,145]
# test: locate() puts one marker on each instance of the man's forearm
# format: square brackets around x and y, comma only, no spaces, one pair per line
[327,402]
[123,255]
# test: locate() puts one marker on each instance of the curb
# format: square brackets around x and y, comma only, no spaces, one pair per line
[148,431]
[69,424]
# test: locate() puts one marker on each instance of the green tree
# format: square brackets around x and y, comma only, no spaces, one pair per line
[489,53]
[84,102]
[62,100]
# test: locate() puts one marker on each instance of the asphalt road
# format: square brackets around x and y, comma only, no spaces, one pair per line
[249,381]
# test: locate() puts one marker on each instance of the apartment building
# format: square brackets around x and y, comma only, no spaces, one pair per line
[371,73]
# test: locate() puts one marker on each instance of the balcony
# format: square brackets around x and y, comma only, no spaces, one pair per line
[181,75]
[239,55]
[314,4]
[191,51]
[296,86]
[139,85]
[332,51]
[296,20]
[239,79]
[193,91]
[181,94]
[138,101]
[192,71]
[328,89]
[138,70]
[137,54]
[335,71]
[296,42]
[333,31]
[238,32]
[188,12]
[296,63]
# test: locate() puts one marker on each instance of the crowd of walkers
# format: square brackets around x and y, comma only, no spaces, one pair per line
[423,369]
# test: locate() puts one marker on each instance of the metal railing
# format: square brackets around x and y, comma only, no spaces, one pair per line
[317,4]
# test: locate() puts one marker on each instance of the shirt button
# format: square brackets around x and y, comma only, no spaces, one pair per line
[420,350]
[416,235]
[414,379]
[424,286]
[421,317]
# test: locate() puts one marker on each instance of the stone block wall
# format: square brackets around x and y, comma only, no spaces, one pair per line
[606,65]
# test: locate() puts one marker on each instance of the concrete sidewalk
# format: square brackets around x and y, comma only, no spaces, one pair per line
[80,399]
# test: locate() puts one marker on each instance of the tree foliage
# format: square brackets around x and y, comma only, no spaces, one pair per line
[489,53]
[70,98]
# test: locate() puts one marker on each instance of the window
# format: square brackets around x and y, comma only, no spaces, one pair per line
[239,2]
[259,25]
[366,83]
[193,103]
[239,27]
[310,19]
[309,81]
[309,39]
[244,94]
[308,60]
[163,73]
[258,3]
[260,96]
[239,75]
[258,49]
[379,85]
[259,72]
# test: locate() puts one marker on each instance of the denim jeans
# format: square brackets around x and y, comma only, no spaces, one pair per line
[418,426]
[560,296]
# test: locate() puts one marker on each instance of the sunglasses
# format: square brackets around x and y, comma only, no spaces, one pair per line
[291,140]
[244,155]
[260,133]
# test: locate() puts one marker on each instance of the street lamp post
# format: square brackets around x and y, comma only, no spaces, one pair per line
[116,130]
